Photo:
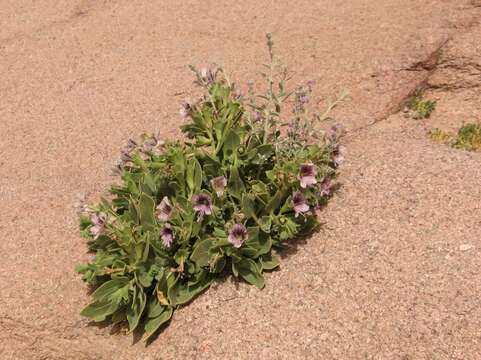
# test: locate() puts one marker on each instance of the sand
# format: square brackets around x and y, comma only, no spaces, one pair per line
[393,274]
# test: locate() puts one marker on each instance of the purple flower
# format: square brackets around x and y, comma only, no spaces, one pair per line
[307,175]
[300,204]
[338,153]
[99,221]
[208,75]
[257,116]
[117,168]
[202,204]
[167,235]
[218,184]
[238,95]
[125,156]
[185,108]
[164,209]
[151,143]
[325,187]
[310,84]
[131,144]
[334,132]
[301,99]
[237,235]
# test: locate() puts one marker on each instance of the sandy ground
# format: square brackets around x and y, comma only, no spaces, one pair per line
[394,274]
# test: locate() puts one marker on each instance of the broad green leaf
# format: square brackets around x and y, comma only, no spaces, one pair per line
[265,223]
[235,184]
[249,271]
[197,176]
[134,211]
[200,255]
[135,310]
[275,202]
[231,143]
[181,292]
[154,308]
[189,175]
[269,262]
[104,291]
[150,184]
[98,311]
[248,207]
[146,209]
[217,263]
[262,244]
[153,324]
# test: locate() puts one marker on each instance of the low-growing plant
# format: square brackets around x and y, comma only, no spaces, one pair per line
[246,180]
[440,136]
[468,137]
[421,108]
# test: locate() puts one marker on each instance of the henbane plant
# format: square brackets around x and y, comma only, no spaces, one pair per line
[251,174]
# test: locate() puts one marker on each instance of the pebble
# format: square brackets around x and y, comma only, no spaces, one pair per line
[465,247]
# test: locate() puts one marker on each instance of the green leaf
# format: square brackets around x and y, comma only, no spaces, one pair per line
[265,223]
[180,292]
[150,184]
[275,202]
[197,176]
[217,263]
[235,185]
[135,310]
[269,262]
[248,207]
[107,289]
[248,270]
[231,143]
[200,255]
[146,209]
[98,311]
[134,211]
[261,243]
[153,324]
[154,308]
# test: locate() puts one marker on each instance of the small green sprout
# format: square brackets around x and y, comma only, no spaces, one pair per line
[468,137]
[422,109]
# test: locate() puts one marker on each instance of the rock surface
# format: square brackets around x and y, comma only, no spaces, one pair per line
[384,279]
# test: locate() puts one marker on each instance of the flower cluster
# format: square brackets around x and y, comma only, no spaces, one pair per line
[222,201]
[147,145]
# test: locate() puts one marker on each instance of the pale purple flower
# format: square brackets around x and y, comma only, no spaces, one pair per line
[338,153]
[208,75]
[117,168]
[310,84]
[218,184]
[238,95]
[131,144]
[164,209]
[202,204]
[185,108]
[307,175]
[299,203]
[125,156]
[300,101]
[333,133]
[99,221]
[325,188]
[237,235]
[167,235]
[151,143]
[257,116]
